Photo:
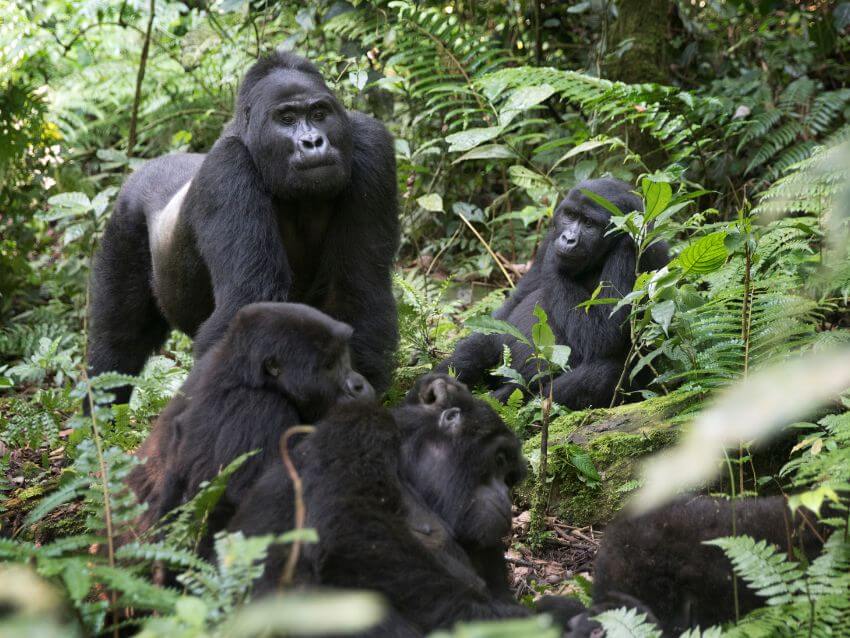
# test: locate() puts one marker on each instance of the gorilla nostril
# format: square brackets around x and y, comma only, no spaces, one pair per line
[312,142]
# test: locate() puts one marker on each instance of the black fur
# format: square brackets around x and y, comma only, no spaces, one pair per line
[278,210]
[660,559]
[277,365]
[563,275]
[412,503]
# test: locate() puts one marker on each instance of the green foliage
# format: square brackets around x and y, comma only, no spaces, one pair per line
[497,112]
[814,599]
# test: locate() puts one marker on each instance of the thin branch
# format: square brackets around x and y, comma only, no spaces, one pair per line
[489,250]
[140,76]
[288,573]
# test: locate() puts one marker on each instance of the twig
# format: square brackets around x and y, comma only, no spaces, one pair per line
[288,574]
[489,250]
[140,76]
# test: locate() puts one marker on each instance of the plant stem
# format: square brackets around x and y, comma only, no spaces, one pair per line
[140,76]
[288,573]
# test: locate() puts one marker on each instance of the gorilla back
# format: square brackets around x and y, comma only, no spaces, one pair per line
[296,201]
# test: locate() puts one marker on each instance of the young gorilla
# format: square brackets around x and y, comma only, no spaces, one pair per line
[278,365]
[660,559]
[412,503]
[574,257]
[296,201]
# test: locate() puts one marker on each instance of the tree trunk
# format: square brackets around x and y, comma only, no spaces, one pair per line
[646,24]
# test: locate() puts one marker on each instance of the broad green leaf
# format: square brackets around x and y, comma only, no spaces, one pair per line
[705,255]
[657,196]
[523,99]
[813,499]
[358,79]
[510,374]
[584,147]
[533,183]
[582,462]
[306,613]
[486,324]
[432,202]
[604,203]
[488,151]
[191,610]
[662,314]
[472,137]
[560,356]
[77,579]
[541,334]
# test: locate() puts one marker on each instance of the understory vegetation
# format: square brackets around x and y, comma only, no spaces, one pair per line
[735,135]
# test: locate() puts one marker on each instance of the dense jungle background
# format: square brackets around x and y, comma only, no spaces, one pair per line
[729,117]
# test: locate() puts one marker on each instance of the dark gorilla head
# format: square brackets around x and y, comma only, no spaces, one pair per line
[461,458]
[579,224]
[297,351]
[296,130]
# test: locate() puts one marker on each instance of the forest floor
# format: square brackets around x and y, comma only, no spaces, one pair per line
[568,552]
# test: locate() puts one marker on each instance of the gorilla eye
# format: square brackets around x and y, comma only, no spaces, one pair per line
[272,367]
[286,117]
[318,115]
[587,223]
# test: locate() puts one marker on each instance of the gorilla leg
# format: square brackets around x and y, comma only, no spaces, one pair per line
[126,324]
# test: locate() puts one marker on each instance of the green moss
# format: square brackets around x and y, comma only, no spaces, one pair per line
[616,440]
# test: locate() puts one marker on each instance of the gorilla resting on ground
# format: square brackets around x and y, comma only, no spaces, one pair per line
[412,503]
[296,201]
[574,257]
[277,365]
[660,559]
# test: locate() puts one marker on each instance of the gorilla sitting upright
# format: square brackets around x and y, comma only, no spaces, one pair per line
[574,258]
[278,365]
[412,503]
[296,201]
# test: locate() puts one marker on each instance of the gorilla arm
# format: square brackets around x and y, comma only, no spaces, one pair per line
[361,247]
[356,504]
[237,236]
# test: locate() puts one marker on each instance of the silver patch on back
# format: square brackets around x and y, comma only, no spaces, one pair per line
[163,222]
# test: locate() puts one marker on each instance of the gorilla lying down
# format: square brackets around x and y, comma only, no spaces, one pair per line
[296,201]
[574,258]
[412,503]
[658,564]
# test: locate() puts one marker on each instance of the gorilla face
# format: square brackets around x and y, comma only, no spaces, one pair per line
[299,135]
[301,353]
[462,459]
[579,224]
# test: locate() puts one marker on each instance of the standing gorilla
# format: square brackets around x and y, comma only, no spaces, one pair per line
[296,201]
[574,258]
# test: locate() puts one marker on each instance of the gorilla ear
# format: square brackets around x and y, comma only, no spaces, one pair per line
[247,114]
[272,367]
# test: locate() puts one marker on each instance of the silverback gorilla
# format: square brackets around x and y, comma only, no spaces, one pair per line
[413,503]
[574,258]
[296,201]
[277,365]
